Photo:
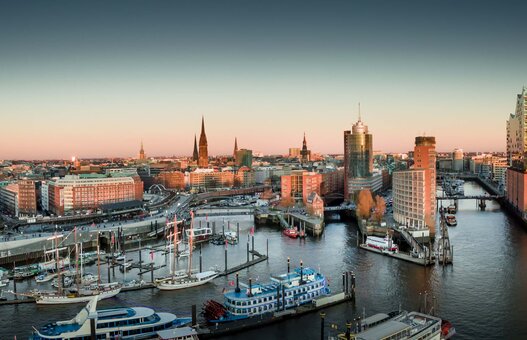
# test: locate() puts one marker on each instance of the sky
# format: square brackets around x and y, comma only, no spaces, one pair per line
[94,78]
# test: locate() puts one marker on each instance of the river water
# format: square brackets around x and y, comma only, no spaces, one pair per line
[484,294]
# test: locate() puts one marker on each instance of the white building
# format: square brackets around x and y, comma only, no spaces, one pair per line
[408,197]
[44,195]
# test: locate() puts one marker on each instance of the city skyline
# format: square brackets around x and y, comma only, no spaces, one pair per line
[94,79]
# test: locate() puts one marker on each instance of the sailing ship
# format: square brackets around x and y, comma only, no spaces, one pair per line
[189,279]
[80,293]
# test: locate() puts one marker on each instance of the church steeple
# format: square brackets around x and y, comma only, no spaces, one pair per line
[142,155]
[304,153]
[195,155]
[203,160]
[235,147]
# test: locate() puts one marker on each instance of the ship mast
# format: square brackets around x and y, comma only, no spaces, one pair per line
[98,261]
[191,236]
[175,248]
[77,278]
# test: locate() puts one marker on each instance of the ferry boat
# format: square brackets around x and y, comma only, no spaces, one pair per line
[113,323]
[382,244]
[290,232]
[451,220]
[400,325]
[285,291]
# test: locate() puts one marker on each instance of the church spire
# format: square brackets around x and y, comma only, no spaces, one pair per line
[305,152]
[195,155]
[235,147]
[203,160]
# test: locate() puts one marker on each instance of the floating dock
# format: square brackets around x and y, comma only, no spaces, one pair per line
[401,256]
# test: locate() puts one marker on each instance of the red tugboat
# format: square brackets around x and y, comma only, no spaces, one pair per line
[290,232]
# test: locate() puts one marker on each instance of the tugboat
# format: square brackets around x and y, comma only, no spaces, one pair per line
[285,291]
[290,232]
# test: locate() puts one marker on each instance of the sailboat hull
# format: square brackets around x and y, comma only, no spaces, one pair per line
[183,283]
[60,300]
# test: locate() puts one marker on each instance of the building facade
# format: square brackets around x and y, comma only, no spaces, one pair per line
[244,157]
[414,190]
[517,133]
[87,192]
[358,159]
[19,199]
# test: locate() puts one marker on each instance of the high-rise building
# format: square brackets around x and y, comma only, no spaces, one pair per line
[244,157]
[142,156]
[358,160]
[516,177]
[203,161]
[458,163]
[195,154]
[414,190]
[517,133]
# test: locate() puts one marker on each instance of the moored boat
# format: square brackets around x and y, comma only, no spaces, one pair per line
[290,232]
[112,323]
[382,244]
[399,325]
[199,235]
[285,291]
[451,220]
[84,294]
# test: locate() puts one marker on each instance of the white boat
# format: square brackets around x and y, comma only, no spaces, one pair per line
[120,322]
[104,291]
[88,279]
[194,280]
[4,282]
[231,237]
[382,244]
[45,277]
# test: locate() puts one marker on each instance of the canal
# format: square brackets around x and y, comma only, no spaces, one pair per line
[483,294]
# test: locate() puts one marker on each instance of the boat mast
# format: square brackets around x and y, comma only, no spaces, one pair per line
[98,262]
[59,279]
[191,236]
[175,249]
[77,278]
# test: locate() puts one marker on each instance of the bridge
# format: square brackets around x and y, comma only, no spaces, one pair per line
[471,197]
[342,207]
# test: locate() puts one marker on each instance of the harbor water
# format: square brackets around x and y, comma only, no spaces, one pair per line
[483,293]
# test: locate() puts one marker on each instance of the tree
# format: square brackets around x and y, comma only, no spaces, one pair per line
[364,204]
[380,208]
[287,202]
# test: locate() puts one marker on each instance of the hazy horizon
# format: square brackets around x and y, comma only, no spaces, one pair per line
[93,79]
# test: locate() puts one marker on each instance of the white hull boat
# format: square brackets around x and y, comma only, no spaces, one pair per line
[194,280]
[56,299]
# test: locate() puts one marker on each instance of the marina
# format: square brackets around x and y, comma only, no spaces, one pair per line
[342,236]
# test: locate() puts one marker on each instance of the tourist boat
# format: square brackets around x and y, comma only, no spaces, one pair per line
[288,290]
[400,325]
[190,279]
[199,235]
[111,323]
[290,232]
[451,220]
[383,244]
[84,294]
